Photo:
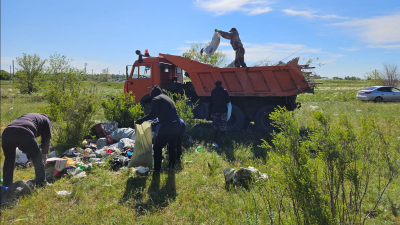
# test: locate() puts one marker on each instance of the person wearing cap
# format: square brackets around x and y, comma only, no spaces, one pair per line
[219,101]
[22,133]
[237,45]
[163,108]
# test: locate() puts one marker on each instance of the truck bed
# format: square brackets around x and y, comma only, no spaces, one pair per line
[286,80]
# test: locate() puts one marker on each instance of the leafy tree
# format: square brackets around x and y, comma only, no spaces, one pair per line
[58,66]
[4,75]
[28,78]
[105,75]
[218,59]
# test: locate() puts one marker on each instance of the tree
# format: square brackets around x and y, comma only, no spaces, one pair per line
[218,59]
[390,74]
[4,75]
[28,78]
[58,66]
[105,75]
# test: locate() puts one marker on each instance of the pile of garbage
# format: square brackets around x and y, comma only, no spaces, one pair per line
[112,143]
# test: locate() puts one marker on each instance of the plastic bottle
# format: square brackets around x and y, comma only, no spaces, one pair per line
[81,167]
[199,148]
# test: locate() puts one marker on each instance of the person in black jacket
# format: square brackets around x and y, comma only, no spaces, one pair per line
[22,133]
[219,101]
[163,108]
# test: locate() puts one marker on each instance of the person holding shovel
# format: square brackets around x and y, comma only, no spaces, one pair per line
[22,133]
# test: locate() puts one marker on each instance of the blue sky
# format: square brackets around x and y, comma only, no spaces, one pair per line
[349,37]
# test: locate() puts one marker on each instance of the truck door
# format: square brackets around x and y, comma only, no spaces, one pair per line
[141,82]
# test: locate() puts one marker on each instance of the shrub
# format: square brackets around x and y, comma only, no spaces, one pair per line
[71,113]
[184,108]
[71,107]
[331,171]
[123,109]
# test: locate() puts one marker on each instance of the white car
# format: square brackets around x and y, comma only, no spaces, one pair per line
[379,94]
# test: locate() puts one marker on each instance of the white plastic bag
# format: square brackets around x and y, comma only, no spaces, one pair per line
[231,65]
[213,45]
[228,116]
[20,157]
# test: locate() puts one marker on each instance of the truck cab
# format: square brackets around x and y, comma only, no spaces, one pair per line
[148,72]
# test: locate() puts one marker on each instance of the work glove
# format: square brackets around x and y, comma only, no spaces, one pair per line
[216,30]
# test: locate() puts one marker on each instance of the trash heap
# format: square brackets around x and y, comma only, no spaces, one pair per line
[112,143]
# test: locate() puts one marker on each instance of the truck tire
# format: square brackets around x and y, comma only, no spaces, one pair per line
[262,120]
[237,120]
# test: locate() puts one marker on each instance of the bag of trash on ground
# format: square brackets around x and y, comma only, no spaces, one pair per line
[109,127]
[213,46]
[231,65]
[233,176]
[142,156]
[126,142]
[20,157]
[120,133]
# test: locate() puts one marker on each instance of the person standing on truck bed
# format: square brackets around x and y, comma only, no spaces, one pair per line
[219,101]
[22,133]
[237,45]
[163,108]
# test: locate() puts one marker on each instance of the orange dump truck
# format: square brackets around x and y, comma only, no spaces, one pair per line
[254,91]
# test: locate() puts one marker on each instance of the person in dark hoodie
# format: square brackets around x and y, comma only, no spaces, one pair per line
[219,101]
[163,108]
[237,45]
[22,133]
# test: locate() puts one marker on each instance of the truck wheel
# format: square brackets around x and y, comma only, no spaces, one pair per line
[262,120]
[237,120]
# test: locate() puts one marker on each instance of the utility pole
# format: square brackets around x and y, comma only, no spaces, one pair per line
[92,72]
[10,74]
[85,67]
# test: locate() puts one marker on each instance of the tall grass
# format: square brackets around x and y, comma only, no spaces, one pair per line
[197,193]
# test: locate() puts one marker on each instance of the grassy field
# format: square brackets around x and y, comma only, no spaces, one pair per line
[196,194]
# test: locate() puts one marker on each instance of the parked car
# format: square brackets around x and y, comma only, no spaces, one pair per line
[379,94]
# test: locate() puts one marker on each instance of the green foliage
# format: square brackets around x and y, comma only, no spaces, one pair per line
[71,105]
[123,109]
[28,77]
[184,108]
[218,59]
[4,75]
[105,75]
[327,171]
[71,112]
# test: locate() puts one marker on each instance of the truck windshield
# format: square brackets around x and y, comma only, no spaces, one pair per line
[144,71]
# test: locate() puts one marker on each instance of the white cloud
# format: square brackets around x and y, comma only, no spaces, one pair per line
[350,49]
[376,30]
[331,58]
[397,46]
[221,7]
[311,14]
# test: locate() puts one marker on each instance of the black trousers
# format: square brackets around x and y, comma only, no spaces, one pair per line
[10,140]
[239,57]
[168,134]
[179,143]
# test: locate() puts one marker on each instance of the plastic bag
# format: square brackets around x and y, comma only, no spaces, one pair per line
[231,65]
[228,116]
[210,49]
[120,133]
[142,156]
[125,142]
[20,157]
[109,127]
[101,143]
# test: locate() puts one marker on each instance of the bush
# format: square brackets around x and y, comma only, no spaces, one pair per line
[71,107]
[333,173]
[71,113]
[184,108]
[123,109]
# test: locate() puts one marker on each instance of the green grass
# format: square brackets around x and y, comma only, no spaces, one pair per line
[197,193]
